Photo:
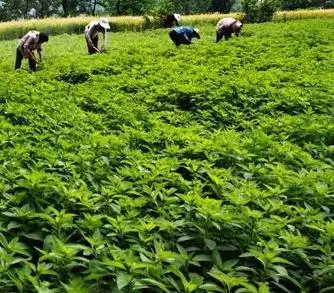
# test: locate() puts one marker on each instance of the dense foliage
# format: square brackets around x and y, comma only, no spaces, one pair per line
[259,10]
[10,9]
[17,9]
[149,168]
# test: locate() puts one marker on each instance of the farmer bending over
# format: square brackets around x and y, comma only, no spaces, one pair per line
[170,19]
[183,35]
[30,42]
[227,26]
[91,34]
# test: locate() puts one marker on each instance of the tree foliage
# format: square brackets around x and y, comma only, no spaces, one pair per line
[16,9]
[259,10]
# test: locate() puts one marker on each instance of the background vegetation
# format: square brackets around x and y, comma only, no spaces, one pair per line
[18,9]
[149,168]
[55,26]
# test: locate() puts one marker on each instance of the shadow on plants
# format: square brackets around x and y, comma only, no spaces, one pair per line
[3,100]
[129,89]
[108,70]
[73,77]
[15,119]
[183,101]
[185,173]
[92,106]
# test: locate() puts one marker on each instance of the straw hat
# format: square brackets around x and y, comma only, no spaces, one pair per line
[104,23]
[177,16]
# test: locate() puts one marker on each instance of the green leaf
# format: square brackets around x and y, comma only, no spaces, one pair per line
[155,283]
[123,279]
[326,270]
[210,243]
[201,257]
[13,225]
[211,287]
[34,236]
[282,287]
[327,290]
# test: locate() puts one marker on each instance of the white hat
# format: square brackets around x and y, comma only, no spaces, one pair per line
[196,30]
[238,24]
[177,16]
[104,23]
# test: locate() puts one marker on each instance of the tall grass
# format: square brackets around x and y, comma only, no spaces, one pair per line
[55,26]
[72,25]
[303,14]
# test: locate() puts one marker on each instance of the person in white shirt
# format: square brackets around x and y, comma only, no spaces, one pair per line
[30,42]
[227,26]
[92,31]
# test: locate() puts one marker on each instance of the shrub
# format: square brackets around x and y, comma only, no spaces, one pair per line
[259,10]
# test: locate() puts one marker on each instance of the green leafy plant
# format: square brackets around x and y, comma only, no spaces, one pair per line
[207,168]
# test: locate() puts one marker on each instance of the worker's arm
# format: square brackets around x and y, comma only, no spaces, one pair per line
[104,33]
[188,41]
[39,51]
[88,34]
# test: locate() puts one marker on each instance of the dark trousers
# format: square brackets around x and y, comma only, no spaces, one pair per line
[91,49]
[19,58]
[178,39]
[226,32]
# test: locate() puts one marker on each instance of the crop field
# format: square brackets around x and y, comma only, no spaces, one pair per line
[151,168]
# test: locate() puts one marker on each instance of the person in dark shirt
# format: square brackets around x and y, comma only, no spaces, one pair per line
[183,35]
[170,20]
[30,42]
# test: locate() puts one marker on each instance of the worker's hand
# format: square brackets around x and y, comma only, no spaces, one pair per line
[29,55]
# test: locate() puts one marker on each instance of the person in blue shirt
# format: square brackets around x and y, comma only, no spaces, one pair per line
[183,35]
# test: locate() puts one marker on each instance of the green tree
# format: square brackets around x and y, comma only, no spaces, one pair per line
[128,7]
[68,6]
[45,8]
[221,5]
[302,4]
[12,9]
[260,10]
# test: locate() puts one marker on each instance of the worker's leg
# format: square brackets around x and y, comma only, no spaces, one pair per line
[92,49]
[96,42]
[19,58]
[175,37]
[32,64]
[219,36]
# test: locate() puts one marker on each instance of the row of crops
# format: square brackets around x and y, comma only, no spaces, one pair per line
[151,168]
